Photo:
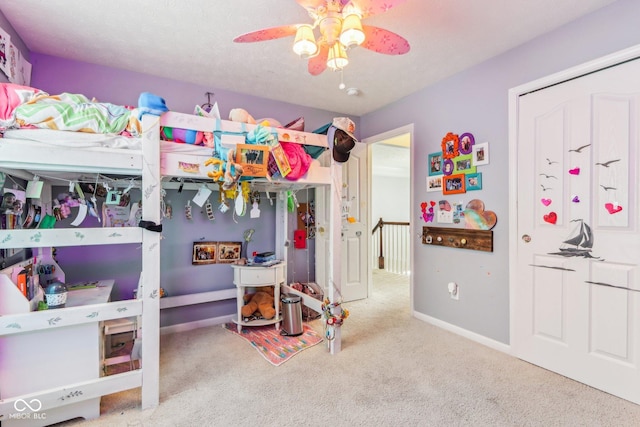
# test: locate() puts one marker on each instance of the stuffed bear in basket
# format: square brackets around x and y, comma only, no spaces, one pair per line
[259,304]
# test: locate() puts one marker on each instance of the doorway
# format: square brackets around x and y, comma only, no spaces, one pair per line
[390,190]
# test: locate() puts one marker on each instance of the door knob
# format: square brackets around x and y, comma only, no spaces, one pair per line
[526,238]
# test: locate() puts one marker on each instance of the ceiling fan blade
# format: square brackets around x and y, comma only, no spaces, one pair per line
[267,34]
[310,4]
[372,7]
[384,41]
[317,64]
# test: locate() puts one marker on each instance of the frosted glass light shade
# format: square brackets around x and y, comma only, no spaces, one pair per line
[337,59]
[352,33]
[305,42]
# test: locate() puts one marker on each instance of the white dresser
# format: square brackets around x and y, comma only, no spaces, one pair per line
[252,276]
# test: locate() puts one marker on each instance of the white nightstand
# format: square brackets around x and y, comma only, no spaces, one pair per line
[252,276]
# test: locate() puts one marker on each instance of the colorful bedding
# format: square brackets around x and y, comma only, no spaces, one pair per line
[26,107]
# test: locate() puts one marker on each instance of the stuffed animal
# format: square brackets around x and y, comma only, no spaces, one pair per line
[241,115]
[232,173]
[261,302]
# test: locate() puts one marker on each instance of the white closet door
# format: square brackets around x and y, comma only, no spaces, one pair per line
[576,288]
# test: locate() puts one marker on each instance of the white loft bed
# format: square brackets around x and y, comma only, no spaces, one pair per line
[153,160]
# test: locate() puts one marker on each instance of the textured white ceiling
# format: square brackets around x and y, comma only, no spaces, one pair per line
[191,41]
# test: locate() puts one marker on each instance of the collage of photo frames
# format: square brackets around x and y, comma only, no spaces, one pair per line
[454,170]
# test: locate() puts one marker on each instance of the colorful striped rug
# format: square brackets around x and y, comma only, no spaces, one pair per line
[274,347]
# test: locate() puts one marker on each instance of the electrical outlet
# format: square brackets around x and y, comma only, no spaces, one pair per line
[454,290]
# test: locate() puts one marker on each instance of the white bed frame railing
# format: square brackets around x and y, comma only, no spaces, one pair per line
[147,306]
[152,167]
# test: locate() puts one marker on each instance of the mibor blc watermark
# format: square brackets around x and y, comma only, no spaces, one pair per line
[27,410]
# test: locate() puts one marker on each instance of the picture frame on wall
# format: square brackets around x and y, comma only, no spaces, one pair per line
[449,145]
[253,159]
[435,163]
[228,252]
[473,181]
[467,142]
[463,164]
[204,253]
[454,184]
[480,154]
[434,183]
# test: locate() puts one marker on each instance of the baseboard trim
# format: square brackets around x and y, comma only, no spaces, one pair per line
[480,339]
[188,326]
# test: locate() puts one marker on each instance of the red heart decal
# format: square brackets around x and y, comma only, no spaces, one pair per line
[432,203]
[574,171]
[612,208]
[423,206]
[546,202]
[551,218]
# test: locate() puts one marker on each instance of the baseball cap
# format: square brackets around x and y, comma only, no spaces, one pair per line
[341,138]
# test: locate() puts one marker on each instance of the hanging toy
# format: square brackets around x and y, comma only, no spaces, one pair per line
[187,211]
[224,206]
[255,202]
[218,168]
[208,208]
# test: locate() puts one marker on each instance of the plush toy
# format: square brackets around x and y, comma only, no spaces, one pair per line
[232,173]
[261,302]
[241,115]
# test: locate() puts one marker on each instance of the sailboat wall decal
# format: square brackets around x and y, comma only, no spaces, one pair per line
[579,243]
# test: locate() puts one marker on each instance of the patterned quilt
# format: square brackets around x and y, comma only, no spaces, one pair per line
[26,107]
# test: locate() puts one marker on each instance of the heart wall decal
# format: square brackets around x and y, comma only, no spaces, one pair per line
[546,202]
[476,218]
[551,218]
[612,208]
[574,171]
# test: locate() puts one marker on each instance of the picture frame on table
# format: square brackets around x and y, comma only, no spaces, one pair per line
[204,253]
[229,252]
[473,181]
[435,163]
[480,154]
[253,159]
[454,184]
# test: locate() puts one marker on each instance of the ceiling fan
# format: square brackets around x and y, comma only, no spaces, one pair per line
[340,27]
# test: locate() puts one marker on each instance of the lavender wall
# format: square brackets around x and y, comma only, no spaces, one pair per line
[56,75]
[475,101]
[178,275]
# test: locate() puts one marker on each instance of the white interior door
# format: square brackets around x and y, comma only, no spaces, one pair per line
[354,255]
[355,238]
[576,287]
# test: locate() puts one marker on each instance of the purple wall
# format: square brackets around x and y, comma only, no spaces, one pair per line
[475,101]
[56,75]
[178,275]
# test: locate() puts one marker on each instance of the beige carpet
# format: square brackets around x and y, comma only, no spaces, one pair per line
[393,370]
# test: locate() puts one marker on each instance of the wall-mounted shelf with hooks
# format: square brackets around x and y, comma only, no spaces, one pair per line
[461,238]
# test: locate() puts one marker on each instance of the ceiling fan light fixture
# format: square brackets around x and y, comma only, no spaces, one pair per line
[337,58]
[352,33]
[305,42]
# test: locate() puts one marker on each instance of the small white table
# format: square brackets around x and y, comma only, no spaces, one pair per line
[252,276]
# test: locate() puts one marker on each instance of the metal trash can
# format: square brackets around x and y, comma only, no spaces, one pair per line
[291,315]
